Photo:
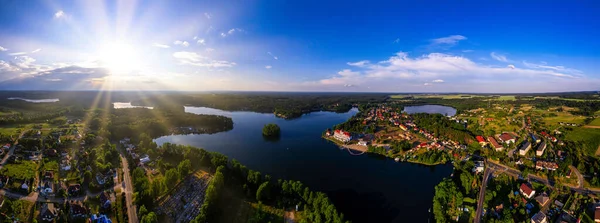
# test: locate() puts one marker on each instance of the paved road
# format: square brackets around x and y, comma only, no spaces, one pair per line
[128,189]
[486,176]
[579,176]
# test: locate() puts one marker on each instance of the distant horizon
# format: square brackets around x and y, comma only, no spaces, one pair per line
[315,92]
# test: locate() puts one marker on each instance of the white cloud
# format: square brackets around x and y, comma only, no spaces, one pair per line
[194,59]
[468,51]
[36,50]
[181,43]
[397,40]
[427,84]
[544,66]
[361,63]
[223,35]
[207,15]
[59,14]
[448,40]
[231,32]
[17,53]
[3,49]
[499,57]
[160,45]
[268,67]
[209,50]
[201,41]
[437,67]
[511,66]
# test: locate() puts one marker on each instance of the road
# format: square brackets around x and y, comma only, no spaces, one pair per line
[579,176]
[128,189]
[486,176]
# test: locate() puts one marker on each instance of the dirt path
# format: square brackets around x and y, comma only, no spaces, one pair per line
[592,126]
[598,151]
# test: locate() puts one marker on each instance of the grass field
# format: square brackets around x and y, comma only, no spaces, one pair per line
[23,210]
[507,98]
[590,138]
[23,170]
[596,122]
[563,117]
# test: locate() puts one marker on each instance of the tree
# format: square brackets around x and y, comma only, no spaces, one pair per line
[143,211]
[87,177]
[171,178]
[150,218]
[263,193]
[184,168]
[271,130]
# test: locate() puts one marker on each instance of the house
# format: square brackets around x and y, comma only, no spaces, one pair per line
[539,151]
[542,199]
[481,140]
[495,144]
[507,138]
[544,165]
[534,138]
[524,148]
[24,186]
[104,200]
[526,190]
[48,212]
[100,218]
[49,174]
[403,127]
[100,179]
[48,188]
[78,210]
[597,214]
[540,217]
[145,159]
[342,135]
[479,167]
[362,143]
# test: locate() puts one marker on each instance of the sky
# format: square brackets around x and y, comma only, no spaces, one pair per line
[347,46]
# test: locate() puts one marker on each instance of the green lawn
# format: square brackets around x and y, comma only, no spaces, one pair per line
[23,170]
[589,137]
[20,208]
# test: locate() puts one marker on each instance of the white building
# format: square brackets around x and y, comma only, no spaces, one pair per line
[342,135]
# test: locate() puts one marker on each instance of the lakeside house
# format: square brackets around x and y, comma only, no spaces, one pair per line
[539,217]
[507,138]
[539,151]
[525,147]
[342,135]
[495,144]
[526,191]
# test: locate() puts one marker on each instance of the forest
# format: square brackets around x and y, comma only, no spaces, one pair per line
[440,126]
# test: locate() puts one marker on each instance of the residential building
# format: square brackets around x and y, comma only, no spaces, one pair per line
[507,138]
[544,165]
[104,200]
[539,151]
[540,217]
[597,214]
[403,127]
[49,213]
[526,190]
[342,135]
[479,167]
[78,210]
[481,140]
[534,138]
[495,144]
[74,189]
[100,218]
[362,143]
[542,199]
[525,147]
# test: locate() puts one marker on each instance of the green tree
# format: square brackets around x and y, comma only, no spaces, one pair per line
[143,211]
[150,218]
[263,192]
[271,130]
[184,168]
[171,177]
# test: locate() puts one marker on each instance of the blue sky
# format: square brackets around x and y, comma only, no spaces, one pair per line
[386,46]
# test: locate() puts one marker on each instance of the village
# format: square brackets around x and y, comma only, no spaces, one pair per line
[525,148]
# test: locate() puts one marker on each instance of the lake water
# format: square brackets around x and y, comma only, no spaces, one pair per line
[444,110]
[119,105]
[366,188]
[36,100]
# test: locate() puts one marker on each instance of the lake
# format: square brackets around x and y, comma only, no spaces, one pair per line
[119,105]
[366,188]
[35,100]
[444,110]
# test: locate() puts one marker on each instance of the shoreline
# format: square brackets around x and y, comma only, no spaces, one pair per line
[365,149]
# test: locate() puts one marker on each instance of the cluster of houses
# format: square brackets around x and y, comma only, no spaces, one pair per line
[132,151]
[545,165]
[506,138]
[76,210]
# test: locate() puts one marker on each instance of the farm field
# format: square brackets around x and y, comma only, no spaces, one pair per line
[589,137]
[596,122]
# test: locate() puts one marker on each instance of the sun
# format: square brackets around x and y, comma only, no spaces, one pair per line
[120,58]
